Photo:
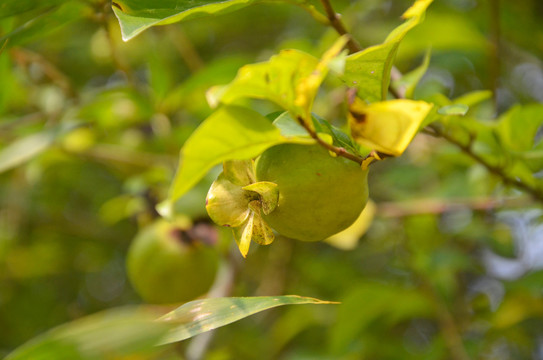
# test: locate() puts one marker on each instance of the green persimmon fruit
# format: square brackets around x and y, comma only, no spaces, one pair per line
[319,195]
[166,264]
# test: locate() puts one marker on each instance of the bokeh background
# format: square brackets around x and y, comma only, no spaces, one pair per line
[451,265]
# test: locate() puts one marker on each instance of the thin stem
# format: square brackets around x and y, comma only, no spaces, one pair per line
[440,206]
[316,14]
[339,151]
[446,322]
[26,57]
[494,66]
[186,49]
[337,24]
[118,60]
[535,192]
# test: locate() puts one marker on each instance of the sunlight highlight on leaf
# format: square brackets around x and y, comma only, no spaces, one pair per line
[136,16]
[200,316]
[230,133]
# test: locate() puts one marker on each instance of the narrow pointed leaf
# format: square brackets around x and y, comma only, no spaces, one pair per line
[410,80]
[136,16]
[50,20]
[107,335]
[26,148]
[369,69]
[15,7]
[455,109]
[200,316]
[307,88]
[243,235]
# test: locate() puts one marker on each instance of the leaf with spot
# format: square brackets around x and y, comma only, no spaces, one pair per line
[291,79]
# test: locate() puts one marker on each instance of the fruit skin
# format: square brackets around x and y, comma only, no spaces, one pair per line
[319,195]
[165,266]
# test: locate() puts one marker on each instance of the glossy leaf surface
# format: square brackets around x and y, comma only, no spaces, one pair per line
[203,315]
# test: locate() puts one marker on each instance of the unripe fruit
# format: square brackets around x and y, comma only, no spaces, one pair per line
[168,265]
[319,195]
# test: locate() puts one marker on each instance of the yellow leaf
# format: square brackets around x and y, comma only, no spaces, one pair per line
[348,238]
[417,9]
[389,126]
[243,235]
[307,88]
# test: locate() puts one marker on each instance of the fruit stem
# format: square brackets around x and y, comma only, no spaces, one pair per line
[339,151]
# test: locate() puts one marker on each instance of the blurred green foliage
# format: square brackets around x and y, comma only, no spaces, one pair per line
[90,132]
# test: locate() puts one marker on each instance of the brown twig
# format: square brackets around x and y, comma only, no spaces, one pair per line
[447,323]
[535,192]
[494,56]
[25,57]
[335,21]
[440,206]
[186,49]
[339,151]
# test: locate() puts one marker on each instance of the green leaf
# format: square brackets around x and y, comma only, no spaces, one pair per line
[339,138]
[517,128]
[14,7]
[26,148]
[290,127]
[136,16]
[455,109]
[291,79]
[410,80]
[46,23]
[106,335]
[474,98]
[230,133]
[369,69]
[275,80]
[200,316]
[227,203]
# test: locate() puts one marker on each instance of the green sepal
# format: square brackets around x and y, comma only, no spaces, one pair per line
[226,203]
[243,235]
[269,194]
[239,172]
[262,232]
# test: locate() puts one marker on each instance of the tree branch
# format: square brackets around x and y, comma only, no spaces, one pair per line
[337,24]
[535,192]
[338,151]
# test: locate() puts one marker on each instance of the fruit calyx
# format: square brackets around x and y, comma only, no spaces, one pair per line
[236,200]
